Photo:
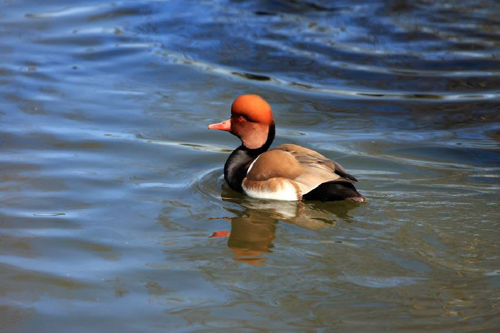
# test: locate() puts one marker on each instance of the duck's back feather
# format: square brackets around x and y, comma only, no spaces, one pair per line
[304,168]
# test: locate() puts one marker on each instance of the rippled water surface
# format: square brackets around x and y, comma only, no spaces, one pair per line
[114,214]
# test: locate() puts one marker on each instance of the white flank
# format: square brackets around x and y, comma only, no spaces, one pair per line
[286,192]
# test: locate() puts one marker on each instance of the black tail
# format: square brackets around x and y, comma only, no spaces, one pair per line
[335,191]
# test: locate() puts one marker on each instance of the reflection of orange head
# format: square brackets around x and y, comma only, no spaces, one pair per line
[256,260]
[250,239]
[247,255]
[254,108]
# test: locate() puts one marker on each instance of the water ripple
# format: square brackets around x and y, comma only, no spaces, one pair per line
[300,86]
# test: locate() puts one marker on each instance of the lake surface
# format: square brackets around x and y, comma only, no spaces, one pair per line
[114,215]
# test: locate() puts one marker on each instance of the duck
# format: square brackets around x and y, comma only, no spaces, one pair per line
[288,172]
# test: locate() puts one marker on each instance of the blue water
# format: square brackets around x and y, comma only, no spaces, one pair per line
[111,186]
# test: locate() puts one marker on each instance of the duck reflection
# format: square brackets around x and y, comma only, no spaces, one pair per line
[254,225]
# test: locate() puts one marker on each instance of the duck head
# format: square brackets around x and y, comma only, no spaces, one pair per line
[251,121]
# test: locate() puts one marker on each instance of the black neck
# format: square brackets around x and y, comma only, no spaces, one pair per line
[236,165]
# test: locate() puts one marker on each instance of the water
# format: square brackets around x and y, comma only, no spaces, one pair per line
[114,211]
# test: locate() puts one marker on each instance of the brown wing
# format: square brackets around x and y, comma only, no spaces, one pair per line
[333,166]
[307,168]
[275,163]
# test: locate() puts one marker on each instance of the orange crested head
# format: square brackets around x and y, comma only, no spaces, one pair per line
[251,121]
[254,108]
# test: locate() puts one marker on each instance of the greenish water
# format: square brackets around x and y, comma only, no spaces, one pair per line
[111,185]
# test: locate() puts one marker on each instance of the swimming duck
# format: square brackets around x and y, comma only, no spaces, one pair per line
[288,172]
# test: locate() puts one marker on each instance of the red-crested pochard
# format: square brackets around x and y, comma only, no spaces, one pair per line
[288,172]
